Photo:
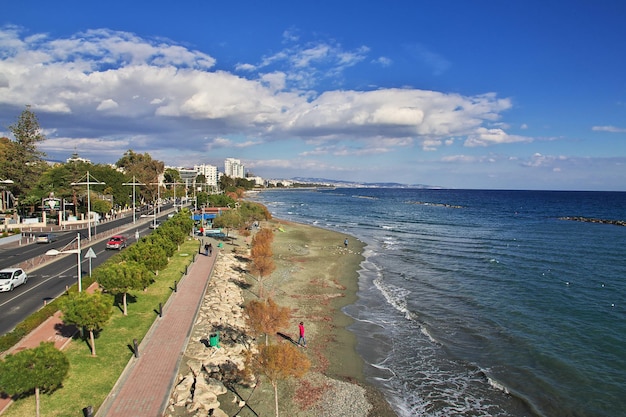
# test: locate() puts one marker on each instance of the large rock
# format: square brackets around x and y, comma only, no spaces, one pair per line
[201,384]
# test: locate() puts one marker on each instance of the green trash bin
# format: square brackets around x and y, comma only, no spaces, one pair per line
[214,339]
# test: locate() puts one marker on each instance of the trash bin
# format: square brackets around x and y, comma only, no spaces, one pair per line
[214,340]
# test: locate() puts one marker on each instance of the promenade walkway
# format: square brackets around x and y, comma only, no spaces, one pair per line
[143,389]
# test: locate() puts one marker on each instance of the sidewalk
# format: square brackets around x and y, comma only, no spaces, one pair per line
[144,387]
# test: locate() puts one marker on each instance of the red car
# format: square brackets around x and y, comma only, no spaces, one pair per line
[117,242]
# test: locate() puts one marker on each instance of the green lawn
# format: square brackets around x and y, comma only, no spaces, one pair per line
[91,378]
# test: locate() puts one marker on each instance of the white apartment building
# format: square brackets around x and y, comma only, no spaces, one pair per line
[233,168]
[209,172]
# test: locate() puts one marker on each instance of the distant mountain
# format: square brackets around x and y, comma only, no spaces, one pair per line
[350,184]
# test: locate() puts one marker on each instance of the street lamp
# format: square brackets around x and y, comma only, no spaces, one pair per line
[133,184]
[54,252]
[158,202]
[88,201]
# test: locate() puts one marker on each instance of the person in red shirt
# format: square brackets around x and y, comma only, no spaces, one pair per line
[301,340]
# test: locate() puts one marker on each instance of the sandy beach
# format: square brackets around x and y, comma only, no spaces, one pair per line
[316,275]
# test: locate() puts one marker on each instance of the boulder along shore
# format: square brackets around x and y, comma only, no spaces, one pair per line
[316,275]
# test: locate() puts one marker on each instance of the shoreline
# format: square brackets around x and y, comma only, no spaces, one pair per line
[336,270]
[316,276]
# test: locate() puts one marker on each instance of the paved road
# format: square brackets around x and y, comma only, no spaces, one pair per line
[49,280]
[144,388]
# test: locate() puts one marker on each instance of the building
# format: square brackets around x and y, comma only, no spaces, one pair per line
[258,181]
[210,174]
[188,176]
[234,168]
[76,158]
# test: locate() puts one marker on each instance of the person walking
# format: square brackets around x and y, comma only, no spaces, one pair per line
[210,249]
[206,249]
[345,243]
[301,340]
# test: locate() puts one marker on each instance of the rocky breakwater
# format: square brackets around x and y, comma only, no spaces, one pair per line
[592,220]
[216,349]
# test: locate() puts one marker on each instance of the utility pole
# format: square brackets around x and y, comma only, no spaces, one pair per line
[134,183]
[88,182]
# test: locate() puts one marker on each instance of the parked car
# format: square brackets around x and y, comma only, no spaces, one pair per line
[117,242]
[11,278]
[46,238]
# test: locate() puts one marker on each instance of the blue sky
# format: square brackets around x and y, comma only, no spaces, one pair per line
[464,94]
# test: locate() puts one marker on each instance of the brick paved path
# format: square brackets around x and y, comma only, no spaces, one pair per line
[144,387]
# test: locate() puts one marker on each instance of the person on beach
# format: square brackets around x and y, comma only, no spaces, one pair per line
[345,243]
[301,340]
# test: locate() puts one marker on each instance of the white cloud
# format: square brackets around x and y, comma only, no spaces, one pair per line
[107,104]
[307,65]
[383,61]
[245,67]
[458,158]
[611,129]
[103,86]
[228,143]
[539,160]
[485,137]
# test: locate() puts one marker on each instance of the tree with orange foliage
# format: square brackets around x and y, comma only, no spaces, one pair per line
[261,250]
[267,317]
[264,236]
[280,362]
[262,256]
[262,266]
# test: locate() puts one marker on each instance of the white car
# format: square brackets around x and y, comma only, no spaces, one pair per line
[11,278]
[46,238]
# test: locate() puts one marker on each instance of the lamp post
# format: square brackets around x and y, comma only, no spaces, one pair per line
[54,252]
[134,183]
[88,201]
[157,204]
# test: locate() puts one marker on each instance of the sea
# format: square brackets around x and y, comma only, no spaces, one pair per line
[483,302]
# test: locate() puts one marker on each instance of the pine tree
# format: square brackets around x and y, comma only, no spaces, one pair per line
[90,311]
[41,369]
[122,277]
[22,162]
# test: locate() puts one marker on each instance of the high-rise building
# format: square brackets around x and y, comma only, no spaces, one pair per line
[233,168]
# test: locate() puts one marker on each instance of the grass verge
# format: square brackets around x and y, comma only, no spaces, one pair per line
[91,378]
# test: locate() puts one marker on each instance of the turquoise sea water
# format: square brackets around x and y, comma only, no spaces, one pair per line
[484,303]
